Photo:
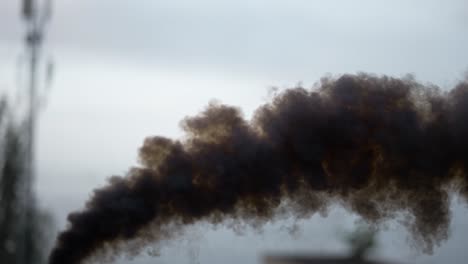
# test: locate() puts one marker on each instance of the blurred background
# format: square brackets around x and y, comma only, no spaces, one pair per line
[111,72]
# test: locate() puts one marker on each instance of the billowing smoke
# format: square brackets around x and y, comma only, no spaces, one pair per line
[382,147]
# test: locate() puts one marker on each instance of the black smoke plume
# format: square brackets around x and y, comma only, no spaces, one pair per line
[382,147]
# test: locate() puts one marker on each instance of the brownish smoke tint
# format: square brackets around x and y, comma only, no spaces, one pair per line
[377,145]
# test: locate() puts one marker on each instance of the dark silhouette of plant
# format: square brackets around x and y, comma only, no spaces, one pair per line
[15,233]
[361,242]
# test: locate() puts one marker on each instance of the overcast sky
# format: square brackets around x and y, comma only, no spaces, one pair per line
[129,69]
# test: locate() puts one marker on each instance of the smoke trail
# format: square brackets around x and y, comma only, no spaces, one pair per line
[380,146]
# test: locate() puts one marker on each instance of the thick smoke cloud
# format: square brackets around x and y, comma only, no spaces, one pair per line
[382,147]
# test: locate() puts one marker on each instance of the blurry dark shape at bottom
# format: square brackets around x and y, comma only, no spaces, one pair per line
[360,242]
[319,260]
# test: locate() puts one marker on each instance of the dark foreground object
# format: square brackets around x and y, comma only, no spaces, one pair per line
[318,260]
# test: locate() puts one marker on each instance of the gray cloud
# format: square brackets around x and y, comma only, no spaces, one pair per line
[290,38]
